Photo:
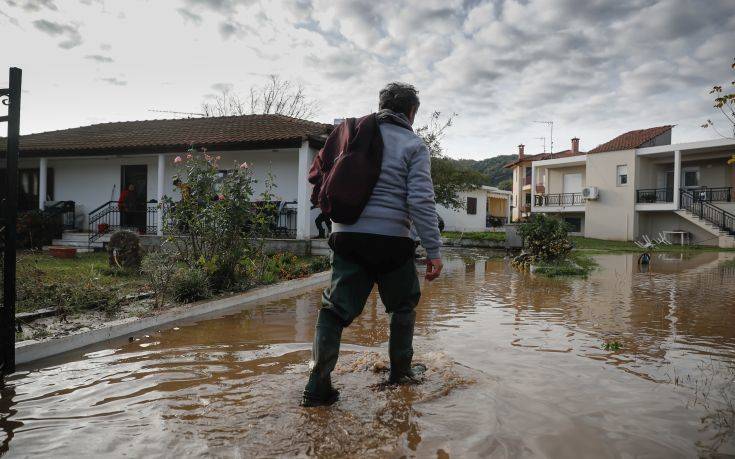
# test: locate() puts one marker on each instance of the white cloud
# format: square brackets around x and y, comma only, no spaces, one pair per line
[596,68]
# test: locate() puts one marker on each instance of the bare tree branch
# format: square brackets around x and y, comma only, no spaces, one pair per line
[275,97]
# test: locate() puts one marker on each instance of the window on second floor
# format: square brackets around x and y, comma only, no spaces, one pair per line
[471,206]
[622,175]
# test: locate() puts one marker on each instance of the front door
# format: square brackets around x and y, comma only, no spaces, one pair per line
[134,214]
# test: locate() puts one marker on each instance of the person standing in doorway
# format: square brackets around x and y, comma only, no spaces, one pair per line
[126,203]
[378,249]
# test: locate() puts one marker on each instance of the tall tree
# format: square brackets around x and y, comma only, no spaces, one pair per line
[277,96]
[448,176]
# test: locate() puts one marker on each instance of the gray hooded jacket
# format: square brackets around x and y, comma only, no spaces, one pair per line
[404,192]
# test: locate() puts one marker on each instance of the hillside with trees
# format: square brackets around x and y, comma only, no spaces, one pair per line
[492,169]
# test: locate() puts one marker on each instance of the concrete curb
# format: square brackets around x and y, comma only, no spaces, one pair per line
[29,351]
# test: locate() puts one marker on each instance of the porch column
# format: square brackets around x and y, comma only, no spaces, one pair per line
[533,186]
[677,178]
[303,205]
[159,192]
[42,182]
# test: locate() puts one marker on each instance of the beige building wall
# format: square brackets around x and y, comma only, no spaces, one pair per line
[611,216]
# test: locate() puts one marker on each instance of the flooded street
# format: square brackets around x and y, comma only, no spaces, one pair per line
[624,363]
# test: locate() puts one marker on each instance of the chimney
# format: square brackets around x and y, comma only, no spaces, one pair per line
[575,146]
[520,151]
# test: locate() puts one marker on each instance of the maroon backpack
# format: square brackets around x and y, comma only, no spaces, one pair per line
[345,171]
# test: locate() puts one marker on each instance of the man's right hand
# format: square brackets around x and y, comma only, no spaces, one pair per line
[433,268]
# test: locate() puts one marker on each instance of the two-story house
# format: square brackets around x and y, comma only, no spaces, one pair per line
[640,183]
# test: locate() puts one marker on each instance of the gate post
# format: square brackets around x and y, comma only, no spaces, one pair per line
[7,319]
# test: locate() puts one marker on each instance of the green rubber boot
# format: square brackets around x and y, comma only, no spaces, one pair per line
[319,390]
[400,349]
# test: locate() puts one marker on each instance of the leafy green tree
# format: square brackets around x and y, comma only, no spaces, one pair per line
[449,177]
[506,185]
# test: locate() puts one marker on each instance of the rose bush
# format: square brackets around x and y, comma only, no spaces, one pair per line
[215,222]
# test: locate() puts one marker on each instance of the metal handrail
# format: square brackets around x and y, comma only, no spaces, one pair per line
[559,200]
[654,195]
[720,218]
[109,214]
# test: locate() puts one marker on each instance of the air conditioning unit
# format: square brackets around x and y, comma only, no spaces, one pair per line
[591,193]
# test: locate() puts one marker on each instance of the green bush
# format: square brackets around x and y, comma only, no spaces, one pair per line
[545,238]
[36,229]
[216,223]
[190,284]
[124,250]
[159,268]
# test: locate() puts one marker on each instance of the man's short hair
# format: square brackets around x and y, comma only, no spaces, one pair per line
[399,97]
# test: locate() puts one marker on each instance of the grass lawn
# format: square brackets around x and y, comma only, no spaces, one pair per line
[477,235]
[603,246]
[48,282]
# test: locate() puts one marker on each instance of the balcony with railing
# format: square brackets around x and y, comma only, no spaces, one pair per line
[559,200]
[666,195]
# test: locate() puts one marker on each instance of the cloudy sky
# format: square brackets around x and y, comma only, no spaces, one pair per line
[595,67]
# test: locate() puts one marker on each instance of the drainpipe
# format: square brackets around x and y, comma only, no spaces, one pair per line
[42,183]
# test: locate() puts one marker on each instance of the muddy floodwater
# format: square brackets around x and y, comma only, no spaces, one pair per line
[624,363]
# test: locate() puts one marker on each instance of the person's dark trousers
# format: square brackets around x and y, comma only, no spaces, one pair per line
[359,261]
[323,219]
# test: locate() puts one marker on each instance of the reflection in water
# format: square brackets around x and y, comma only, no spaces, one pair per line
[516,367]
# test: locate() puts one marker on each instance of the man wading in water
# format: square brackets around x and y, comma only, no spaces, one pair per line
[376,246]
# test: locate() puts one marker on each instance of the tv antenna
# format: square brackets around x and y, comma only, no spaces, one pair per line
[543,141]
[551,134]
[176,113]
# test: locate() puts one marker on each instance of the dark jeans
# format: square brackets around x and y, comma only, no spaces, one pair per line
[321,218]
[359,261]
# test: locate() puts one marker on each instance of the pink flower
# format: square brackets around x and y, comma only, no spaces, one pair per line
[244,165]
[177,160]
[189,156]
[220,197]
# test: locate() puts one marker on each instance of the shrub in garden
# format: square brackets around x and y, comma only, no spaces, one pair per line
[215,224]
[159,268]
[124,250]
[36,229]
[190,284]
[545,239]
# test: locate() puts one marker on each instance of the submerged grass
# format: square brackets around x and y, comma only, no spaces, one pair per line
[577,264]
[475,235]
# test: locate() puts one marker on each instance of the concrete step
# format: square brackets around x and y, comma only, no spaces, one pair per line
[724,240]
[82,237]
[77,244]
[79,249]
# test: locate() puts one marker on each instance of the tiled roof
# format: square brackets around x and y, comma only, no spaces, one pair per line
[542,156]
[229,132]
[632,139]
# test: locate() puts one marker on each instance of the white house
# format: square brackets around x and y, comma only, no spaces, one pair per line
[90,165]
[481,206]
